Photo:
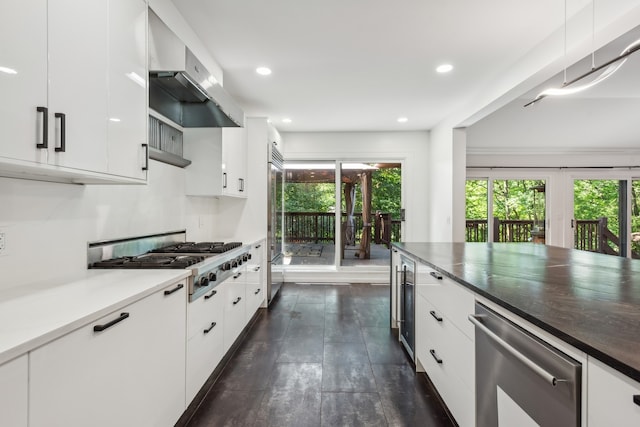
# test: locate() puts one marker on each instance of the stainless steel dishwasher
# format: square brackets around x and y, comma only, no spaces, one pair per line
[521,380]
[407,304]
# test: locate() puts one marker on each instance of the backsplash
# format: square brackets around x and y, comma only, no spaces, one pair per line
[48,225]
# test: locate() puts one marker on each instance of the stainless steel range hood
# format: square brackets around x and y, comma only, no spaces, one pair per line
[181,88]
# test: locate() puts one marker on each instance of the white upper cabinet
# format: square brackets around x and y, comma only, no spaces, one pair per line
[218,161]
[127,106]
[75,75]
[23,78]
[234,162]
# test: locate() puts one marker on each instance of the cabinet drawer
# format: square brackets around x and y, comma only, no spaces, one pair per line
[610,397]
[204,351]
[234,309]
[255,298]
[458,397]
[454,348]
[456,302]
[202,311]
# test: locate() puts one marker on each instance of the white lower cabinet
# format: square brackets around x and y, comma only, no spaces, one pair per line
[444,342]
[14,380]
[205,338]
[612,398]
[255,281]
[125,369]
[235,306]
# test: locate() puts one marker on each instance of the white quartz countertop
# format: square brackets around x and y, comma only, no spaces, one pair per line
[33,316]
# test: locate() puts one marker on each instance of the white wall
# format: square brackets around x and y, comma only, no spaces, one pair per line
[48,225]
[410,148]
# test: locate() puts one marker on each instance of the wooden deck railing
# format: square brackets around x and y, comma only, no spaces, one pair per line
[591,235]
[319,227]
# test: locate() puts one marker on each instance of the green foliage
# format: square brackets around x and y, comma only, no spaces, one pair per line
[309,197]
[596,198]
[476,206]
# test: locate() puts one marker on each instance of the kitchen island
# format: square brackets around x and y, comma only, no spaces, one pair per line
[586,300]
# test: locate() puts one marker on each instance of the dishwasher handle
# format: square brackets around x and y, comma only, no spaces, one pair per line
[548,377]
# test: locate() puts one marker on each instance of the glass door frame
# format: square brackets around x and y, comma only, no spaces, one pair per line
[515,174]
[614,175]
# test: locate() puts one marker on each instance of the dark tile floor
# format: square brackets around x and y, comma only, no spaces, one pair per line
[322,356]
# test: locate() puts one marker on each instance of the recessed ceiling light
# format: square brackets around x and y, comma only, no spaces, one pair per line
[263,71]
[402,119]
[286,120]
[444,68]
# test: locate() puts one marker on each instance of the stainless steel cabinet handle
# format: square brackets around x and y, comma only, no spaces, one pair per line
[435,356]
[257,291]
[436,275]
[237,300]
[224,180]
[549,378]
[211,294]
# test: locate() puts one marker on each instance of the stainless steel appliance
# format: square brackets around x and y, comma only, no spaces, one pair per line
[521,380]
[211,263]
[407,304]
[275,204]
[181,88]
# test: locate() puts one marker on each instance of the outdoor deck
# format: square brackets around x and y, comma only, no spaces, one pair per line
[324,254]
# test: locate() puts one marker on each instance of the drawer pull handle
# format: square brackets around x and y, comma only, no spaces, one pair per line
[176,289]
[258,246]
[211,294]
[237,275]
[435,316]
[100,328]
[213,325]
[257,269]
[436,275]
[146,157]
[257,291]
[433,353]
[237,300]
[636,399]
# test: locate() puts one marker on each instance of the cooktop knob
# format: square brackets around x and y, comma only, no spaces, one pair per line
[204,281]
[212,277]
[249,256]
[226,266]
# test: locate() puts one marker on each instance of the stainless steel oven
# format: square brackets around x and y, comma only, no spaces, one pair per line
[520,379]
[407,304]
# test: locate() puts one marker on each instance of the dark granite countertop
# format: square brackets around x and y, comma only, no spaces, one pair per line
[589,300]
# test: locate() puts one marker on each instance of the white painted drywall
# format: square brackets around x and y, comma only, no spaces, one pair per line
[48,225]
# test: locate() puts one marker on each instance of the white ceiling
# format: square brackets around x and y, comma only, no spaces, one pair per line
[358,65]
[607,115]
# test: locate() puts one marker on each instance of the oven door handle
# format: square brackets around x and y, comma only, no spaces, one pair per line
[544,374]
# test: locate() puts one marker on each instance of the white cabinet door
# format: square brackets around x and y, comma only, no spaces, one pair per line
[124,369]
[255,283]
[203,146]
[205,344]
[234,162]
[235,306]
[612,398]
[127,98]
[14,380]
[77,38]
[23,78]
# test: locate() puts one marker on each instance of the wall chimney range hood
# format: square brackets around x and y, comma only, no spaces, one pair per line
[181,88]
